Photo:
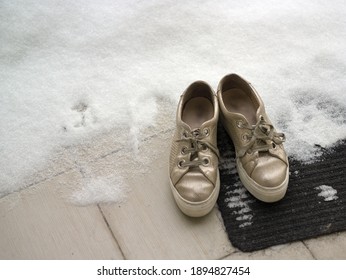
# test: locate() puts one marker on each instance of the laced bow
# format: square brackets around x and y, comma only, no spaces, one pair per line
[196,143]
[262,137]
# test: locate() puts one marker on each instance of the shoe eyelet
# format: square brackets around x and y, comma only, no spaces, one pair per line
[180,164]
[206,131]
[184,134]
[245,137]
[205,161]
[205,148]
[274,146]
[239,123]
[183,150]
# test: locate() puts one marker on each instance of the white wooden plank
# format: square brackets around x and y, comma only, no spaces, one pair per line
[37,224]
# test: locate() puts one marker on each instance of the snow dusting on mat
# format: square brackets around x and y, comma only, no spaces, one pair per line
[71,72]
[237,197]
[327,192]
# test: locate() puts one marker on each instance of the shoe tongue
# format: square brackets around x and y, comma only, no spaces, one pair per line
[185,126]
[263,153]
[260,143]
[194,156]
[195,169]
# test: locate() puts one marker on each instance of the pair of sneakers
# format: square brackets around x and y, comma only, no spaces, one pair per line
[261,160]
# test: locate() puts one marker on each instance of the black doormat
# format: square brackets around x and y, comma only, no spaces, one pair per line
[315,203]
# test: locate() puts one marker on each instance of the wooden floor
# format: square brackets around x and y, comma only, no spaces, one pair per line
[39,222]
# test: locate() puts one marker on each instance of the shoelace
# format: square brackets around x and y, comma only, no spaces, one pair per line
[196,143]
[262,137]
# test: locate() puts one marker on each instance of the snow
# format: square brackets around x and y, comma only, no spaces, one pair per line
[327,192]
[240,201]
[100,189]
[73,71]
[237,197]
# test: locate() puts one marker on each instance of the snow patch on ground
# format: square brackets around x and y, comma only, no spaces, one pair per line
[72,71]
[100,190]
[327,192]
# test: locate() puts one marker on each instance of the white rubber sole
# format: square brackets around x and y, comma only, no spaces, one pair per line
[260,192]
[197,209]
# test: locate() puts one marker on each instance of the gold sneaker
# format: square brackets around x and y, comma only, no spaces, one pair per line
[262,162]
[193,168]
